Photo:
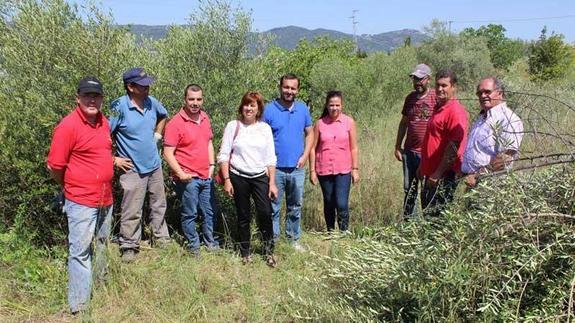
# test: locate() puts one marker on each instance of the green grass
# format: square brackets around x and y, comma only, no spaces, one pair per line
[166,285]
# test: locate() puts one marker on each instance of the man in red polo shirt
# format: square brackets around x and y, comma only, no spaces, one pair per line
[80,160]
[443,145]
[189,151]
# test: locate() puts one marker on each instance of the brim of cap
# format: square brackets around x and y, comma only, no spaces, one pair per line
[145,81]
[86,90]
[417,74]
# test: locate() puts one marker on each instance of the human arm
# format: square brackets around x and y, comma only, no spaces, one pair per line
[449,157]
[309,135]
[312,171]
[354,153]
[170,157]
[212,158]
[401,131]
[160,128]
[273,190]
[57,175]
[224,156]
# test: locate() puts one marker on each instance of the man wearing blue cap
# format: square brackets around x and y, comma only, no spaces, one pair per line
[137,124]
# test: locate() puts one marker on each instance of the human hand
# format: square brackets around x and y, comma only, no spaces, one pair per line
[185,177]
[228,187]
[301,162]
[355,176]
[471,180]
[157,136]
[432,181]
[124,164]
[398,154]
[273,192]
[313,177]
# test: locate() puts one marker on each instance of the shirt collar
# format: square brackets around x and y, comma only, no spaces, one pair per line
[496,110]
[83,117]
[131,106]
[282,108]
[185,116]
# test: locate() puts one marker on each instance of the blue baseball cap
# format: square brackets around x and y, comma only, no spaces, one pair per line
[137,75]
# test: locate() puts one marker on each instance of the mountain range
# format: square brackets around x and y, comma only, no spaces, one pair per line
[288,37]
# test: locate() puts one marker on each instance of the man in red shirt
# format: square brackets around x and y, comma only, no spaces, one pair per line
[189,151]
[417,109]
[443,145]
[80,160]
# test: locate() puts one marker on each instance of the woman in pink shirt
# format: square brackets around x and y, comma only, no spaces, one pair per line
[334,160]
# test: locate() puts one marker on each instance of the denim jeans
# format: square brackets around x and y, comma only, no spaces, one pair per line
[198,195]
[289,181]
[335,190]
[411,162]
[85,223]
[435,199]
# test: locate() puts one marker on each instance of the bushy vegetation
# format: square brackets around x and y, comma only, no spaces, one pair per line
[503,252]
[500,254]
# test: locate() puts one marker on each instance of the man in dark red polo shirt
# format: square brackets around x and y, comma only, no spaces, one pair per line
[80,160]
[417,109]
[443,145]
[189,151]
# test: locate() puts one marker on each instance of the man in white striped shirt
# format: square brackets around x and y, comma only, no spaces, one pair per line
[495,135]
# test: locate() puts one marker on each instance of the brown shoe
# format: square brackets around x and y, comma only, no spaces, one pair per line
[271,261]
[247,260]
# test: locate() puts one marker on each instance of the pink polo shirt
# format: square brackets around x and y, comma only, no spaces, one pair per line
[333,150]
[191,142]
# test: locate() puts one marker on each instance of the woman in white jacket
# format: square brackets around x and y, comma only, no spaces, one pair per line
[247,160]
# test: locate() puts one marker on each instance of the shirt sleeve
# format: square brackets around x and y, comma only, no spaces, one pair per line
[406,104]
[227,141]
[308,122]
[171,135]
[115,116]
[61,147]
[270,152]
[457,126]
[161,111]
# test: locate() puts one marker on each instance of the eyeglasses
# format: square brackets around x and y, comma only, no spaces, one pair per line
[418,79]
[488,92]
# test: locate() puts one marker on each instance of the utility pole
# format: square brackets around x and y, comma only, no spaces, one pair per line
[354,23]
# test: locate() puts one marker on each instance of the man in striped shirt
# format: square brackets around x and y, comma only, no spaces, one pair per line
[417,110]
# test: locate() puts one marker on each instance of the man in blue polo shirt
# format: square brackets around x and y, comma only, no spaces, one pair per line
[290,121]
[137,123]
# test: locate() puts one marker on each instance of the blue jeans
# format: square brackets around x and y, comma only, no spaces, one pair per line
[335,190]
[290,181]
[198,194]
[411,161]
[84,223]
[435,199]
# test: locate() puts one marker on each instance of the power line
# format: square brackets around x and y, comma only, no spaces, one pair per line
[512,19]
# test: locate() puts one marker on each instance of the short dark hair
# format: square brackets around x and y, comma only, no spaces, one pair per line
[446,73]
[194,87]
[289,76]
[248,98]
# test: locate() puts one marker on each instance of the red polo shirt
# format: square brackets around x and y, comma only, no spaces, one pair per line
[84,151]
[448,123]
[191,140]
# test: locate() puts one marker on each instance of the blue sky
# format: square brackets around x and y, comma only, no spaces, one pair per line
[522,19]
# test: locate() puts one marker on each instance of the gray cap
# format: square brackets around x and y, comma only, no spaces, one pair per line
[421,71]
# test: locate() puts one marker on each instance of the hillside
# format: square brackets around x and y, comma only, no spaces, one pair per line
[288,37]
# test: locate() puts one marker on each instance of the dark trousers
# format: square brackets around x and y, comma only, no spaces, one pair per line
[411,162]
[256,188]
[335,190]
[435,199]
